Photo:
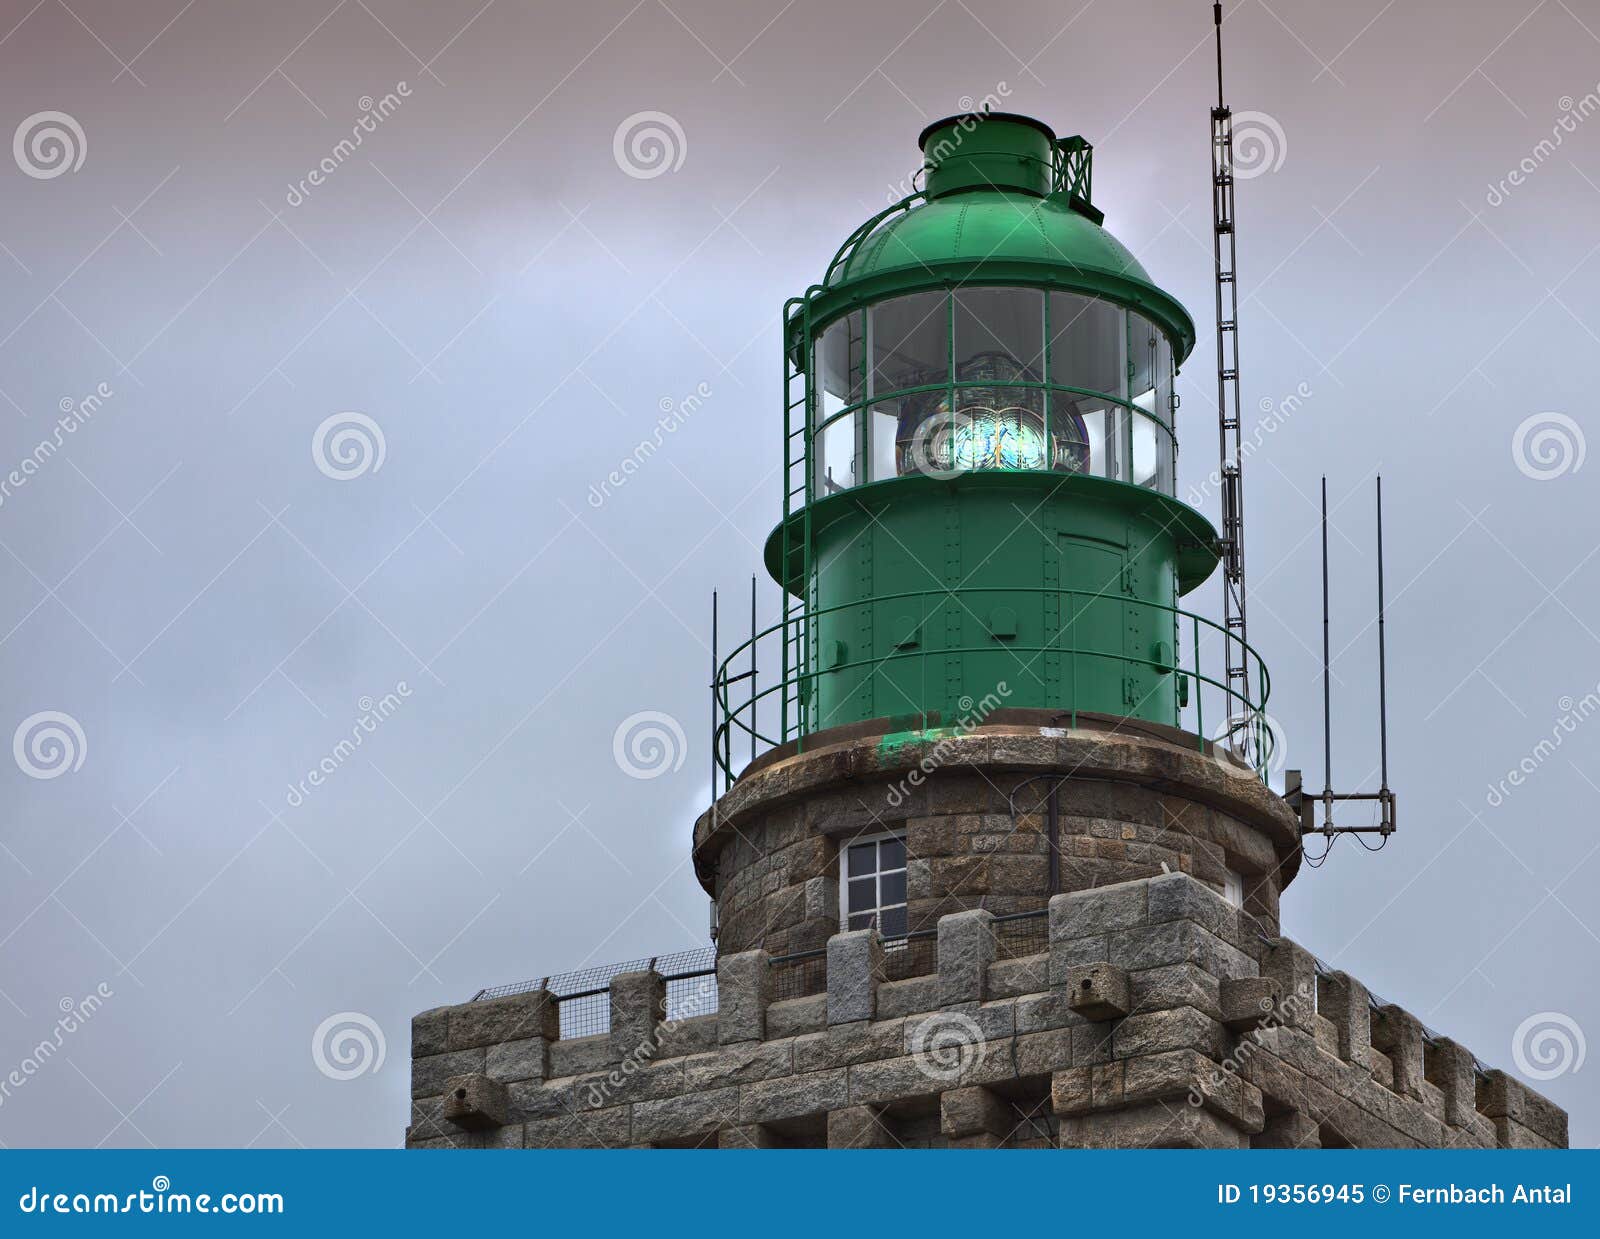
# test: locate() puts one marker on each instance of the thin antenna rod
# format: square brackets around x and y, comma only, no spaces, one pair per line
[1327,690]
[714,742]
[1383,687]
[754,696]
[1216,17]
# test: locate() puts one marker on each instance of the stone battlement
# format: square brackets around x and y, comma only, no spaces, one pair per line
[1158,1017]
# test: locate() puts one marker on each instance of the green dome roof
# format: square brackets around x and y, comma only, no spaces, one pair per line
[981,224]
[987,237]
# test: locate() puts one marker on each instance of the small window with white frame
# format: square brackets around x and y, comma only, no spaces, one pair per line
[1233,887]
[874,885]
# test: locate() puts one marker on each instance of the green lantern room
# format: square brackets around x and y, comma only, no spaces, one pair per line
[980,463]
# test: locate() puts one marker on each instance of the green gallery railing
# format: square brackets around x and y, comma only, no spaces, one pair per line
[740,696]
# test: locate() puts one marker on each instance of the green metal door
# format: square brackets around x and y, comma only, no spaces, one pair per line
[1093,619]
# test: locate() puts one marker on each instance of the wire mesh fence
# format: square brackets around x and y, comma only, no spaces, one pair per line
[584,996]
[915,955]
[585,1015]
[805,973]
[799,975]
[691,995]
[1022,934]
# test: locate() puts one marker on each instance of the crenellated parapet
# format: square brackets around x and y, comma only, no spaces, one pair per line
[1155,1014]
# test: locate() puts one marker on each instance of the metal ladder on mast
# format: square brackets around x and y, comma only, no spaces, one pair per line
[1229,422]
[796,456]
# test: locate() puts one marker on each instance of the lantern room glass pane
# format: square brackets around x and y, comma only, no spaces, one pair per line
[1088,344]
[834,449]
[910,342]
[1144,361]
[883,430]
[1089,435]
[1070,430]
[991,368]
[1145,450]
[999,335]
[1164,382]
[1151,457]
[839,363]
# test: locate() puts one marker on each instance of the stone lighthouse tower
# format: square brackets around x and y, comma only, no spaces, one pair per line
[979,875]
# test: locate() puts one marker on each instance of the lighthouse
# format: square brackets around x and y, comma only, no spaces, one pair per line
[981,552]
[980,455]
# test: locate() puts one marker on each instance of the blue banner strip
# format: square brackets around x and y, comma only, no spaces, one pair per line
[801,1193]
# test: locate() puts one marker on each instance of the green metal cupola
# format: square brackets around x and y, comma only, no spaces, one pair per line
[979,466]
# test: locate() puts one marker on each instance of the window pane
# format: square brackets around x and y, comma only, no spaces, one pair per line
[1087,344]
[892,887]
[863,921]
[1145,435]
[910,342]
[863,894]
[836,462]
[999,335]
[1143,361]
[892,854]
[839,360]
[893,922]
[884,428]
[1102,453]
[1071,450]
[1164,382]
[863,858]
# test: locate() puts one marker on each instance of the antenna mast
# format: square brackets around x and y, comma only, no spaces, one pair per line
[1304,802]
[1225,252]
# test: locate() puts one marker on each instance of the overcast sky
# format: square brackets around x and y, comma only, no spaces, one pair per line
[215,584]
